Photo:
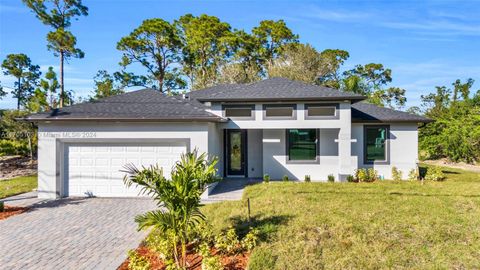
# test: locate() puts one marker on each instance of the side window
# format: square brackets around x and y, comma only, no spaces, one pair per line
[375,144]
[302,144]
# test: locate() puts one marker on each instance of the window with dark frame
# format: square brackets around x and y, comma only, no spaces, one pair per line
[375,143]
[302,144]
[239,111]
[321,111]
[279,111]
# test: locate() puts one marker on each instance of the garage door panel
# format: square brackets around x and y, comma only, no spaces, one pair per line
[96,169]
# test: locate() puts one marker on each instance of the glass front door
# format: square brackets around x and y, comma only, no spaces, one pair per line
[235,152]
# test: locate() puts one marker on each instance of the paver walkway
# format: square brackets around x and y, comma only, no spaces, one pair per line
[82,233]
[230,189]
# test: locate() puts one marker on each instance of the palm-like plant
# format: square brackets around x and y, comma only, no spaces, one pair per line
[179,197]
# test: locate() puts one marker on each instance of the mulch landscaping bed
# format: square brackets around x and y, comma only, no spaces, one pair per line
[233,262]
[11,211]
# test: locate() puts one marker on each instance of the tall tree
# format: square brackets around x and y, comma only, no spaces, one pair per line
[297,61]
[331,61]
[20,66]
[370,80]
[46,96]
[105,85]
[207,45]
[2,92]
[156,45]
[272,36]
[58,15]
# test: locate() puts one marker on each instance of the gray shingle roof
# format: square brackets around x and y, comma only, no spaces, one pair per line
[365,112]
[271,89]
[146,105]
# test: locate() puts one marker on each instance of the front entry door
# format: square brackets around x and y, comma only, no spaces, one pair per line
[236,152]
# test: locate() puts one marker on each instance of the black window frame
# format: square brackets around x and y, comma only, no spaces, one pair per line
[292,117]
[317,145]
[387,145]
[314,117]
[239,106]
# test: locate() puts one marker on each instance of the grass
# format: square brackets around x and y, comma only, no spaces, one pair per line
[17,185]
[386,224]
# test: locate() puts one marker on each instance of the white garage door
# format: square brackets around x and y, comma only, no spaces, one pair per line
[95,169]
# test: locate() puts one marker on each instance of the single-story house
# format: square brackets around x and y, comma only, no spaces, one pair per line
[275,126]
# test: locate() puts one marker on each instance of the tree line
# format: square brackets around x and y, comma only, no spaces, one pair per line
[195,52]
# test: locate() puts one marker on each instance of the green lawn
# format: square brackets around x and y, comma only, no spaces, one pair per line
[386,224]
[17,185]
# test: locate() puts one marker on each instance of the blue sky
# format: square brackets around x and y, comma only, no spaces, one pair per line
[425,43]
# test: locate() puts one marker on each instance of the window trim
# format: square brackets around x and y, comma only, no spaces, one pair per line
[313,117]
[287,148]
[387,146]
[294,112]
[240,106]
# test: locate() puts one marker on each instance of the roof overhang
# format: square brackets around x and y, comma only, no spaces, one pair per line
[92,119]
[353,99]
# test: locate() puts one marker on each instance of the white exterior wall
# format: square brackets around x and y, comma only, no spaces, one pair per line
[53,136]
[300,122]
[275,158]
[255,153]
[403,147]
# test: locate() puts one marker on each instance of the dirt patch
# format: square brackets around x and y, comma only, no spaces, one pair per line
[15,166]
[460,165]
[194,260]
[11,211]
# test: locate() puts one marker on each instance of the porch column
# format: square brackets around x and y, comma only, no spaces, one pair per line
[344,154]
[345,166]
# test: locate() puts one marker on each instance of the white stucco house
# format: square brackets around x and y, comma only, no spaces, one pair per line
[276,127]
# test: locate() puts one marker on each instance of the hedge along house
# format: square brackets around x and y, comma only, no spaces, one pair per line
[275,126]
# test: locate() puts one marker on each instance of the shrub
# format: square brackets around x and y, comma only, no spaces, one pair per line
[266,178]
[285,178]
[307,179]
[331,178]
[351,178]
[396,174]
[137,262]
[161,243]
[413,174]
[212,263]
[364,175]
[434,174]
[2,207]
[227,242]
[11,147]
[250,240]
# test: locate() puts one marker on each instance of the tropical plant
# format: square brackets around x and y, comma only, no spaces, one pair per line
[331,178]
[179,196]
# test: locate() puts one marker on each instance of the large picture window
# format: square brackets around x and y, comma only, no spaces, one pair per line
[302,144]
[375,143]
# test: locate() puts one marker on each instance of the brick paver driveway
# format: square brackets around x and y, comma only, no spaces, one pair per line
[72,233]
